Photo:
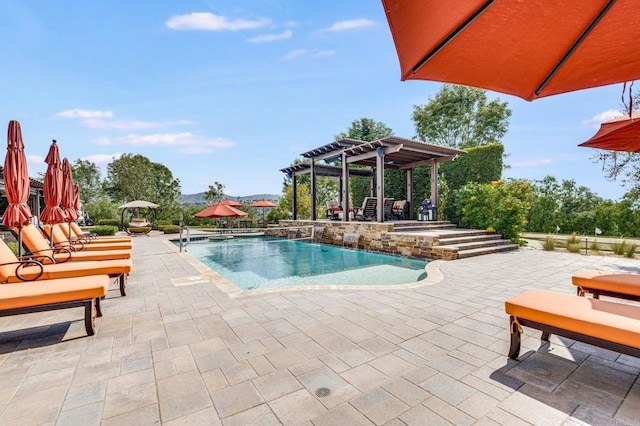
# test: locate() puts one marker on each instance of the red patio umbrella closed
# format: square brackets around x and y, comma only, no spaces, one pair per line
[76,199]
[52,213]
[68,201]
[530,49]
[619,134]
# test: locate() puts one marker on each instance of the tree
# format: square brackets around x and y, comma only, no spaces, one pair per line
[135,177]
[87,175]
[461,117]
[214,193]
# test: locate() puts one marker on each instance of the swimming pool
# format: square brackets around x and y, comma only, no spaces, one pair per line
[263,262]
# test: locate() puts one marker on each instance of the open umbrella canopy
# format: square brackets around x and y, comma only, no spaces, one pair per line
[139,204]
[619,134]
[530,49]
[52,212]
[68,202]
[219,210]
[262,203]
[228,202]
[16,179]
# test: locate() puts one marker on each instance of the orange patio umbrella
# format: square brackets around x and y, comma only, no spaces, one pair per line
[228,202]
[68,201]
[76,199]
[16,180]
[219,210]
[264,204]
[619,134]
[52,213]
[530,49]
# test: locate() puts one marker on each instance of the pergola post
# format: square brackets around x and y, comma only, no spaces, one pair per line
[312,165]
[380,183]
[345,188]
[372,184]
[434,181]
[294,204]
[410,192]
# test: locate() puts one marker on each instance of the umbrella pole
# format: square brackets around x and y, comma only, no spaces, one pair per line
[19,242]
[51,235]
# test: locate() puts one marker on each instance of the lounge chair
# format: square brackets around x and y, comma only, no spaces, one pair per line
[368,209]
[39,247]
[333,208]
[14,270]
[399,209]
[78,234]
[48,295]
[387,209]
[607,283]
[609,325]
[60,240]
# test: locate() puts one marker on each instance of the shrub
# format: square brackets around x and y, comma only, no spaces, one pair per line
[104,230]
[595,246]
[110,222]
[573,240]
[619,247]
[573,248]
[170,229]
[549,243]
[13,245]
[630,250]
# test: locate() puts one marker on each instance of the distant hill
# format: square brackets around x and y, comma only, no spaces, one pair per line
[248,199]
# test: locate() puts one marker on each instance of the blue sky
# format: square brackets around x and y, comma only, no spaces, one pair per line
[232,91]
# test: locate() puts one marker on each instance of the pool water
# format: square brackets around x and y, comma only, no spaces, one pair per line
[262,262]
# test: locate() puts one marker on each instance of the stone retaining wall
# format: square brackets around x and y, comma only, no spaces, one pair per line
[375,236]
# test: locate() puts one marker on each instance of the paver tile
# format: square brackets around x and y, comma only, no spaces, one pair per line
[379,406]
[297,407]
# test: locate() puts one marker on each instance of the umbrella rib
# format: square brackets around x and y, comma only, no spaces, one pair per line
[452,35]
[575,45]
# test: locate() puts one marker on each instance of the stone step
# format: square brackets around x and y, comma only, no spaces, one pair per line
[432,226]
[475,244]
[486,250]
[451,241]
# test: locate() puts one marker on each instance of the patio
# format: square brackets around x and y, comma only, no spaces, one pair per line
[180,349]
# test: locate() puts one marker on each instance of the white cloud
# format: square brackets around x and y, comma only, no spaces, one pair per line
[185,142]
[83,113]
[324,53]
[598,119]
[294,54]
[350,25]
[211,22]
[35,160]
[532,163]
[265,38]
[102,159]
[102,140]
[130,124]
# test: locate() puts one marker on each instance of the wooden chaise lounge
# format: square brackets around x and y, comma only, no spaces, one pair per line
[609,325]
[48,295]
[607,283]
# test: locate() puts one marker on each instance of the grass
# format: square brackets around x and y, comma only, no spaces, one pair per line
[630,250]
[619,247]
[549,243]
[573,243]
[595,246]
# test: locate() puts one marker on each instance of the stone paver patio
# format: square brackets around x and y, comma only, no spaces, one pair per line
[181,349]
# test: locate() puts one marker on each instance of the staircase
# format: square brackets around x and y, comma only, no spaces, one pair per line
[456,243]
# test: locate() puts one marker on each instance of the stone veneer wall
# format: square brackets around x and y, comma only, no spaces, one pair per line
[374,236]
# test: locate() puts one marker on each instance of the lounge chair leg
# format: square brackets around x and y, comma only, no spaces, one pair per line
[545,336]
[122,281]
[514,328]
[89,319]
[98,308]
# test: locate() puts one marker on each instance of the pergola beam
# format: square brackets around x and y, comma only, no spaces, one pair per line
[387,150]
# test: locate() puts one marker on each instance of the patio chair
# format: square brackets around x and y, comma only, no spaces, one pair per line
[78,234]
[399,209]
[15,270]
[39,248]
[368,209]
[333,208]
[387,208]
[607,283]
[60,240]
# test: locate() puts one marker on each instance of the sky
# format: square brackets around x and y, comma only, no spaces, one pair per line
[234,90]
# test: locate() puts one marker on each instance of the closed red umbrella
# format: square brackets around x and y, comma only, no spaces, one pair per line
[68,199]
[529,49]
[76,199]
[619,134]
[16,182]
[52,212]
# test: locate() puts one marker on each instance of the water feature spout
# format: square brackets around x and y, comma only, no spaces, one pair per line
[350,239]
[317,233]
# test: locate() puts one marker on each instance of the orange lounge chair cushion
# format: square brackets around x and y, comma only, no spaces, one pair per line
[77,232]
[60,238]
[37,293]
[68,270]
[610,321]
[97,255]
[608,281]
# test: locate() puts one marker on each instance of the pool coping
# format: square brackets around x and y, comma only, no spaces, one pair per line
[432,269]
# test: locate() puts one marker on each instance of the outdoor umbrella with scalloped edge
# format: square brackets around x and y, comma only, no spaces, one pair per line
[16,182]
[529,49]
[218,210]
[619,134]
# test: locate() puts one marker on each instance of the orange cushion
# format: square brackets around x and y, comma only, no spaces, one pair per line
[36,293]
[96,255]
[73,269]
[614,322]
[608,281]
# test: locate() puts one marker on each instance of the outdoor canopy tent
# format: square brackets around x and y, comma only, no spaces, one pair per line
[138,204]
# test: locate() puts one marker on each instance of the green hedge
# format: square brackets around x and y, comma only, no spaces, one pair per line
[481,164]
[110,222]
[169,229]
[104,230]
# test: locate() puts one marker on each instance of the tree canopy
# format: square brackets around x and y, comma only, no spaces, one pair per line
[461,117]
[214,192]
[87,175]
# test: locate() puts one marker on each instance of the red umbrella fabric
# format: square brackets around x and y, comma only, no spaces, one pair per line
[68,201]
[530,49]
[52,212]
[263,204]
[619,134]
[220,210]
[76,199]
[16,179]
[228,202]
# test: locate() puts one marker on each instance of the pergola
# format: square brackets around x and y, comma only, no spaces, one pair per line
[388,153]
